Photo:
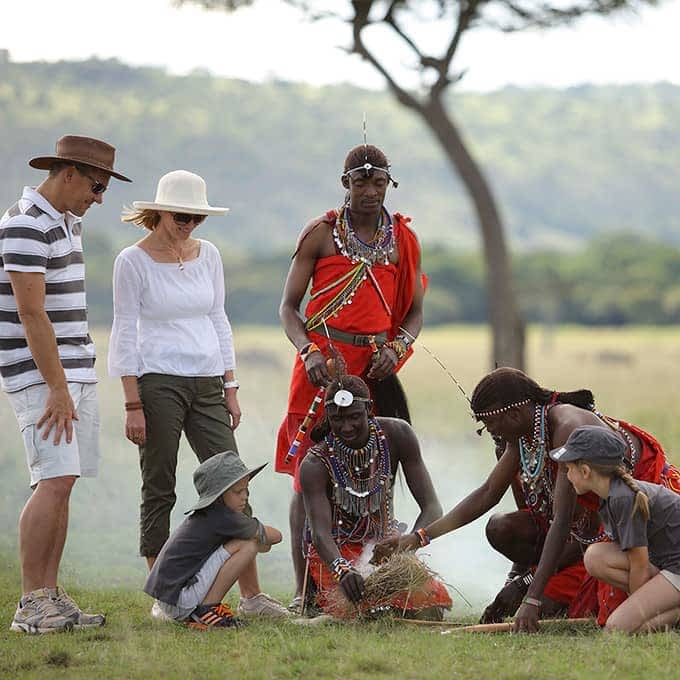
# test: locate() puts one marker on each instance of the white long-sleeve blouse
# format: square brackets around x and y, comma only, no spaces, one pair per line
[170,320]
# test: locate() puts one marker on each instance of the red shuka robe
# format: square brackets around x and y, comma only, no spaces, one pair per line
[366,315]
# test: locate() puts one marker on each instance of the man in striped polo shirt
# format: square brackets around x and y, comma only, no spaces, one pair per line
[47,364]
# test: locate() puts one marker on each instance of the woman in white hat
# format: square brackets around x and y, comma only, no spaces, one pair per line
[171,345]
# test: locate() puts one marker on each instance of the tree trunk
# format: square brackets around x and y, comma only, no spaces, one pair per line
[506,325]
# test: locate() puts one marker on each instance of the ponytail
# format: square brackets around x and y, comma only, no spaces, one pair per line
[581,398]
[641,499]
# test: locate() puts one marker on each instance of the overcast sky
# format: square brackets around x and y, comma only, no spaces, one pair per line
[271,40]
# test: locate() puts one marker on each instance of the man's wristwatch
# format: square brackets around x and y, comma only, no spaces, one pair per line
[231,384]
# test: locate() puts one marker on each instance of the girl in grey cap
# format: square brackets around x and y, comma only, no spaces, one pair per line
[643,521]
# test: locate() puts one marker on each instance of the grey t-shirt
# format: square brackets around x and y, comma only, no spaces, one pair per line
[190,545]
[660,534]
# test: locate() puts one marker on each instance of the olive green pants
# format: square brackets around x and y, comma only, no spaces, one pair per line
[172,405]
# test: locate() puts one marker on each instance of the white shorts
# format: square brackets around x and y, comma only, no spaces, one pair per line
[672,577]
[191,596]
[45,459]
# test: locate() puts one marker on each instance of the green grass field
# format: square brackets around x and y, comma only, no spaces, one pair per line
[632,373]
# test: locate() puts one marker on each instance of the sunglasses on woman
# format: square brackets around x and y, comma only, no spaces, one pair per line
[185,218]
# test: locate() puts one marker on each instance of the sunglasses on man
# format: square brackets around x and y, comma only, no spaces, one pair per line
[185,218]
[97,187]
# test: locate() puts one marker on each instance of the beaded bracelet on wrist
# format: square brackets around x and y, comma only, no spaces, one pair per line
[423,537]
[403,338]
[308,349]
[339,567]
[532,601]
[398,346]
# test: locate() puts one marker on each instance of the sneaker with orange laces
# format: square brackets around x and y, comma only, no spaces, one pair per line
[207,616]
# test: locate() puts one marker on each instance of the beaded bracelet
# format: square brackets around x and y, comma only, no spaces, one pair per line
[339,567]
[532,601]
[423,537]
[133,406]
[403,338]
[308,349]
[398,346]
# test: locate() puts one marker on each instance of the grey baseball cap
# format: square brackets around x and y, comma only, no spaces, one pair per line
[593,444]
[215,475]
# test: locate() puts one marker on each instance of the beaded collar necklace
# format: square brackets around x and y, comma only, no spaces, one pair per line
[532,453]
[538,481]
[377,251]
[360,476]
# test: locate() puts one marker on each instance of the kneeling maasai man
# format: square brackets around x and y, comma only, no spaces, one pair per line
[547,535]
[347,489]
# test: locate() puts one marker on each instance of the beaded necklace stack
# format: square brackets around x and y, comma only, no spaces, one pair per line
[538,473]
[363,255]
[361,486]
[376,251]
[537,479]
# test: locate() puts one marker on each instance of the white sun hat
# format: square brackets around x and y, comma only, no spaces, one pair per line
[181,191]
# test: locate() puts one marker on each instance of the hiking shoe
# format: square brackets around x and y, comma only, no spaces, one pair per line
[68,607]
[295,605]
[158,614]
[37,613]
[219,615]
[262,605]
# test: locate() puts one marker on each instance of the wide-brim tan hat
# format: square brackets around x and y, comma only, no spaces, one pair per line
[215,475]
[181,191]
[83,150]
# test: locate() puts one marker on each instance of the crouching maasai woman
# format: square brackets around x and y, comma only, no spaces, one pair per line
[643,521]
[545,538]
[346,484]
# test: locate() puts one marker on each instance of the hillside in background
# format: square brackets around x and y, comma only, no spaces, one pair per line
[566,165]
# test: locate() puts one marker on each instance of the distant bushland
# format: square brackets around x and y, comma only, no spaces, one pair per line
[566,165]
[613,280]
[586,178]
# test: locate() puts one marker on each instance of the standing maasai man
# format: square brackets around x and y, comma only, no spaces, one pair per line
[546,539]
[366,293]
[347,486]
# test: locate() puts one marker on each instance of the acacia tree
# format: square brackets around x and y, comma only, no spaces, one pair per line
[436,73]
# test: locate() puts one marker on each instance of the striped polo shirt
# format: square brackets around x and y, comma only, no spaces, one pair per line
[35,237]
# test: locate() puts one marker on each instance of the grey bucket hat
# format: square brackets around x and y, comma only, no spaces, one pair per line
[592,444]
[215,475]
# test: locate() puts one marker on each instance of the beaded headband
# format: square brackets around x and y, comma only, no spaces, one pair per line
[344,398]
[498,411]
[368,167]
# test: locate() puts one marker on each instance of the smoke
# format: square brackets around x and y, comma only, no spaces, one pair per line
[102,545]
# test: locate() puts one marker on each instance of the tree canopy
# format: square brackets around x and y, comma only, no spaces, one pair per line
[567,164]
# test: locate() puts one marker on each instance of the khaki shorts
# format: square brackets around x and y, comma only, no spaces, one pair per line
[46,460]
[191,596]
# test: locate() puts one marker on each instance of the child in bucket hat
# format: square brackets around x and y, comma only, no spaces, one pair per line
[214,546]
